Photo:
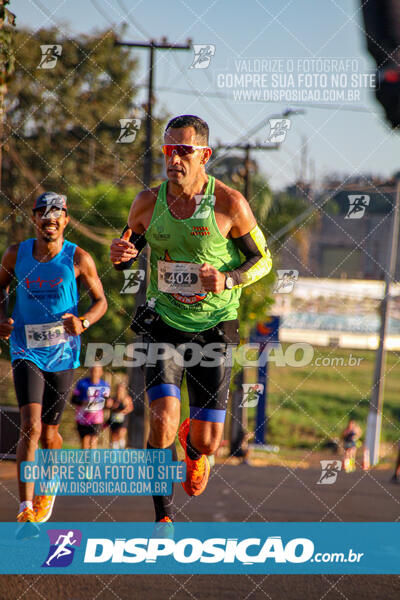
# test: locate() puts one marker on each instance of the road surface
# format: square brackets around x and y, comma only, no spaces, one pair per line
[235,493]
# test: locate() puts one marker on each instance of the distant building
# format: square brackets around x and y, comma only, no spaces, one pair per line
[349,235]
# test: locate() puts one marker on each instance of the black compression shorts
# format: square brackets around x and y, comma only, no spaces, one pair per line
[206,360]
[115,425]
[50,389]
[91,430]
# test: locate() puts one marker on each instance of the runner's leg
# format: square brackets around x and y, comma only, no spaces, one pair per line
[58,386]
[86,442]
[114,438]
[29,388]
[122,437]
[164,422]
[208,388]
[163,385]
[204,438]
[50,437]
[397,468]
[27,444]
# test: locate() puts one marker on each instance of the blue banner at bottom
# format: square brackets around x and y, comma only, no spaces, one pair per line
[192,548]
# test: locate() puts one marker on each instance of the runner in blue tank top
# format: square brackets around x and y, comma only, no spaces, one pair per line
[44,332]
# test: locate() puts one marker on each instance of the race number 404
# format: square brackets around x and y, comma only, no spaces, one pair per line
[178,277]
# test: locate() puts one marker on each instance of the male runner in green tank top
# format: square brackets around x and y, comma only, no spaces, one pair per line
[205,246]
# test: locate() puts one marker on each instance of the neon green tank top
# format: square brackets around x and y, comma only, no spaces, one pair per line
[195,240]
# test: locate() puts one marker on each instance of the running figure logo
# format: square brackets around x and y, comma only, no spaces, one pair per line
[203,54]
[278,129]
[50,54]
[204,204]
[129,129]
[357,205]
[251,394]
[286,281]
[63,543]
[133,279]
[330,470]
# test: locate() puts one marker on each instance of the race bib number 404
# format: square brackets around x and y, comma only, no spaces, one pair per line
[42,335]
[179,277]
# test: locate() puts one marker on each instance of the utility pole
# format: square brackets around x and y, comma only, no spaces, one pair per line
[7,60]
[247,148]
[372,439]
[136,429]
[152,45]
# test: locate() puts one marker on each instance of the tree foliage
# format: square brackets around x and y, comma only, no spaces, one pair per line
[113,205]
[63,123]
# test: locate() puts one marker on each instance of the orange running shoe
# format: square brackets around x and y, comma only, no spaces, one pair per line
[26,516]
[197,471]
[43,507]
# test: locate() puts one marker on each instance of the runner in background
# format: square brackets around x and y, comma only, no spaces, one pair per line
[44,332]
[396,474]
[350,437]
[89,397]
[120,407]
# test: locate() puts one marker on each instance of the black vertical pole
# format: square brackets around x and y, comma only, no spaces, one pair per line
[148,151]
[247,173]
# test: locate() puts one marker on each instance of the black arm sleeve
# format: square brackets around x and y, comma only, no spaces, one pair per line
[139,239]
[258,258]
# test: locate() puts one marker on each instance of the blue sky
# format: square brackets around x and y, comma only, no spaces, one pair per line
[343,141]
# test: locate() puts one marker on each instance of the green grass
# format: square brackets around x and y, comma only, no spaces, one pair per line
[306,406]
[309,405]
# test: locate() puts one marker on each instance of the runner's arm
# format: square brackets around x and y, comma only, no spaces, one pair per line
[129,406]
[125,250]
[250,240]
[77,395]
[6,276]
[92,282]
[88,275]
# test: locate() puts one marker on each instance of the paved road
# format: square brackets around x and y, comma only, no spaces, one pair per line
[235,493]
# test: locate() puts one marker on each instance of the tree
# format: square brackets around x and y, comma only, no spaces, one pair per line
[7,19]
[63,122]
[113,204]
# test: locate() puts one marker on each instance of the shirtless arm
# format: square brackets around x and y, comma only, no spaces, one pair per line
[125,250]
[86,270]
[6,276]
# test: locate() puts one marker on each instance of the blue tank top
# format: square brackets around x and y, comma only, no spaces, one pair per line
[45,291]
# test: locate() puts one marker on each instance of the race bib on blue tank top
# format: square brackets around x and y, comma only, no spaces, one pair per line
[44,293]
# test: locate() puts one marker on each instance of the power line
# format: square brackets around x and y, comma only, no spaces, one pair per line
[203,98]
[247,148]
[133,21]
[104,15]
[152,45]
